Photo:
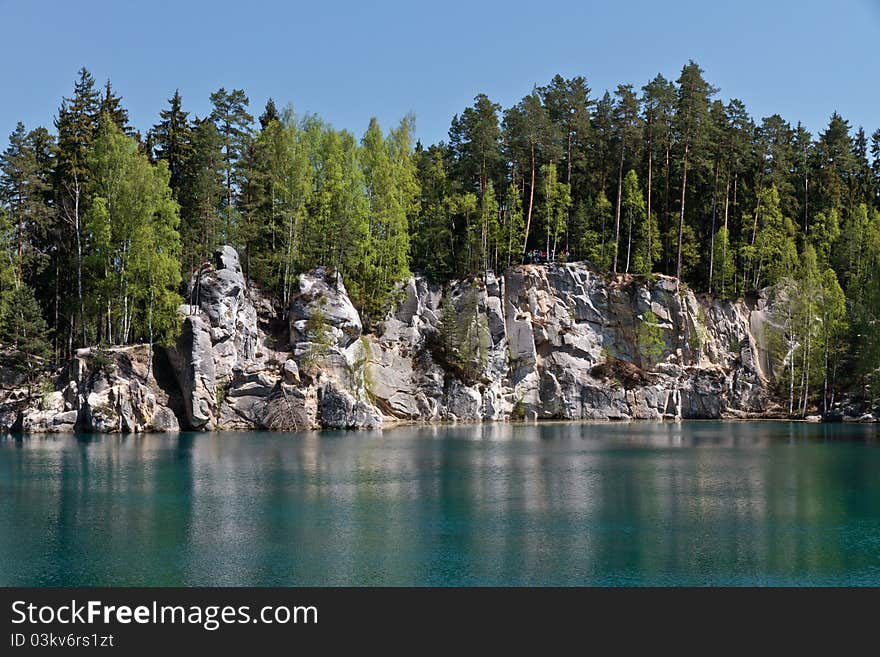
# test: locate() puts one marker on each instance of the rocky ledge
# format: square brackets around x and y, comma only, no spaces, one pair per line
[542,341]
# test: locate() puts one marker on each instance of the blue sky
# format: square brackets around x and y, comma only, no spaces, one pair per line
[350,61]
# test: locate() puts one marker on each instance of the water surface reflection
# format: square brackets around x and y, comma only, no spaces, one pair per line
[557,503]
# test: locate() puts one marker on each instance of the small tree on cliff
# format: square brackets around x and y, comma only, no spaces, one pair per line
[319,335]
[649,339]
[464,333]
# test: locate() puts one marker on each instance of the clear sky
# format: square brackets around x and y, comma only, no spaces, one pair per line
[350,61]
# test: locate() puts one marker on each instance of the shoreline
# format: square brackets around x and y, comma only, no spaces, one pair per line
[444,424]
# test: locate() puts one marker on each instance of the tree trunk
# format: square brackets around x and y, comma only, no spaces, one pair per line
[825,379]
[629,240]
[727,234]
[617,210]
[806,377]
[684,175]
[568,182]
[806,196]
[568,160]
[791,363]
[666,208]
[55,325]
[150,326]
[78,231]
[712,232]
[650,250]
[531,203]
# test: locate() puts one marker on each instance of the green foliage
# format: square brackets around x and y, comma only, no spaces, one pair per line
[24,329]
[132,230]
[222,392]
[101,361]
[512,231]
[807,334]
[319,336]
[487,247]
[360,379]
[475,142]
[25,189]
[201,196]
[45,388]
[699,335]
[432,244]
[594,239]
[172,141]
[650,344]
[464,334]
[638,257]
[518,412]
[556,202]
[392,193]
[232,120]
[724,267]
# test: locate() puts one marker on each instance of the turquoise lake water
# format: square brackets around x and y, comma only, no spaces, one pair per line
[692,503]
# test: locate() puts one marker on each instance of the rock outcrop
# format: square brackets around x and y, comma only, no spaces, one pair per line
[540,342]
[229,373]
[110,391]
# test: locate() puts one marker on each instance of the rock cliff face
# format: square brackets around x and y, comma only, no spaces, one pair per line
[560,341]
[539,342]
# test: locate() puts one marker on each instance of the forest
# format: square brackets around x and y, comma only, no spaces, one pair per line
[101,223]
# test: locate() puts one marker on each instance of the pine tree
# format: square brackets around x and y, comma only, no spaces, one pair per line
[25,189]
[201,196]
[875,165]
[633,210]
[233,123]
[601,144]
[111,107]
[530,136]
[9,274]
[513,227]
[76,125]
[431,244]
[172,140]
[691,119]
[568,107]
[599,250]
[836,166]
[475,143]
[463,207]
[803,157]
[658,99]
[627,126]
[253,204]
[24,328]
[270,114]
